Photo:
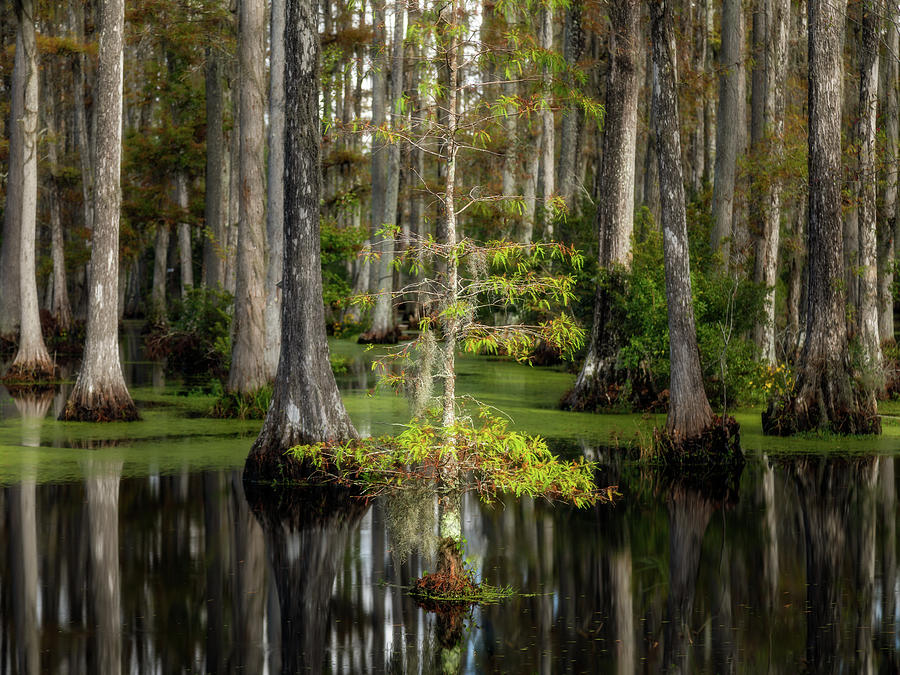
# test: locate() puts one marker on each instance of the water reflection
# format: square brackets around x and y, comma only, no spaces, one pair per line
[181,572]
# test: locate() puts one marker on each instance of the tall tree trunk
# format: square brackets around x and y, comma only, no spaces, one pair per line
[275,211]
[214,241]
[248,373]
[379,155]
[384,329]
[615,208]
[872,11]
[689,411]
[826,394]
[185,259]
[60,307]
[729,120]
[548,130]
[306,405]
[32,362]
[160,269]
[100,393]
[887,222]
[10,311]
[769,139]
[572,121]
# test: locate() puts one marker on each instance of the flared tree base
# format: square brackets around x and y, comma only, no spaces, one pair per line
[100,407]
[719,445]
[271,465]
[385,337]
[449,584]
[25,373]
[614,389]
[786,417]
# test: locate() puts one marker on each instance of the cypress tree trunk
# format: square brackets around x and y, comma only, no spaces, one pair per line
[185,259]
[160,267]
[595,386]
[248,372]
[887,222]
[572,121]
[769,139]
[689,411]
[826,394]
[214,241]
[32,362]
[12,213]
[548,130]
[275,206]
[379,153]
[729,122]
[99,393]
[868,178]
[306,406]
[60,307]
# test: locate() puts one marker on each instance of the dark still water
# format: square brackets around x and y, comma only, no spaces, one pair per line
[181,573]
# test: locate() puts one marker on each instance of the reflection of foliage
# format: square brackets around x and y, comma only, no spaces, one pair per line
[495,460]
[197,339]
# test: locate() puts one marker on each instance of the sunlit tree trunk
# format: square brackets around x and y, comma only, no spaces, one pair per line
[769,139]
[689,411]
[730,122]
[275,206]
[99,393]
[32,362]
[615,211]
[306,405]
[248,372]
[872,13]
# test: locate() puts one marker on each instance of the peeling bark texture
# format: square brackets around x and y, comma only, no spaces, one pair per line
[384,328]
[214,239]
[826,394]
[12,212]
[689,412]
[100,393]
[275,187]
[867,318]
[596,386]
[306,405]
[32,362]
[887,222]
[729,122]
[769,139]
[248,373]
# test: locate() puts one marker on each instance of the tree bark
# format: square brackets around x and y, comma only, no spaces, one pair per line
[887,222]
[60,307]
[548,130]
[826,394]
[214,241]
[572,121]
[185,259]
[769,140]
[872,11]
[160,270]
[615,208]
[689,411]
[248,373]
[730,120]
[32,363]
[306,405]
[100,393]
[379,155]
[275,206]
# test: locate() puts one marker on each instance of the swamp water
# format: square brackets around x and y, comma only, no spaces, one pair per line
[133,548]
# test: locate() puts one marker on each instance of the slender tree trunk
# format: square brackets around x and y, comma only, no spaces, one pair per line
[214,241]
[160,268]
[887,223]
[233,178]
[384,329]
[730,120]
[530,180]
[689,411]
[615,208]
[10,296]
[100,393]
[185,258]
[572,121]
[872,13]
[767,212]
[60,308]
[826,394]
[306,405]
[32,362]
[548,130]
[379,153]
[248,373]
[275,212]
